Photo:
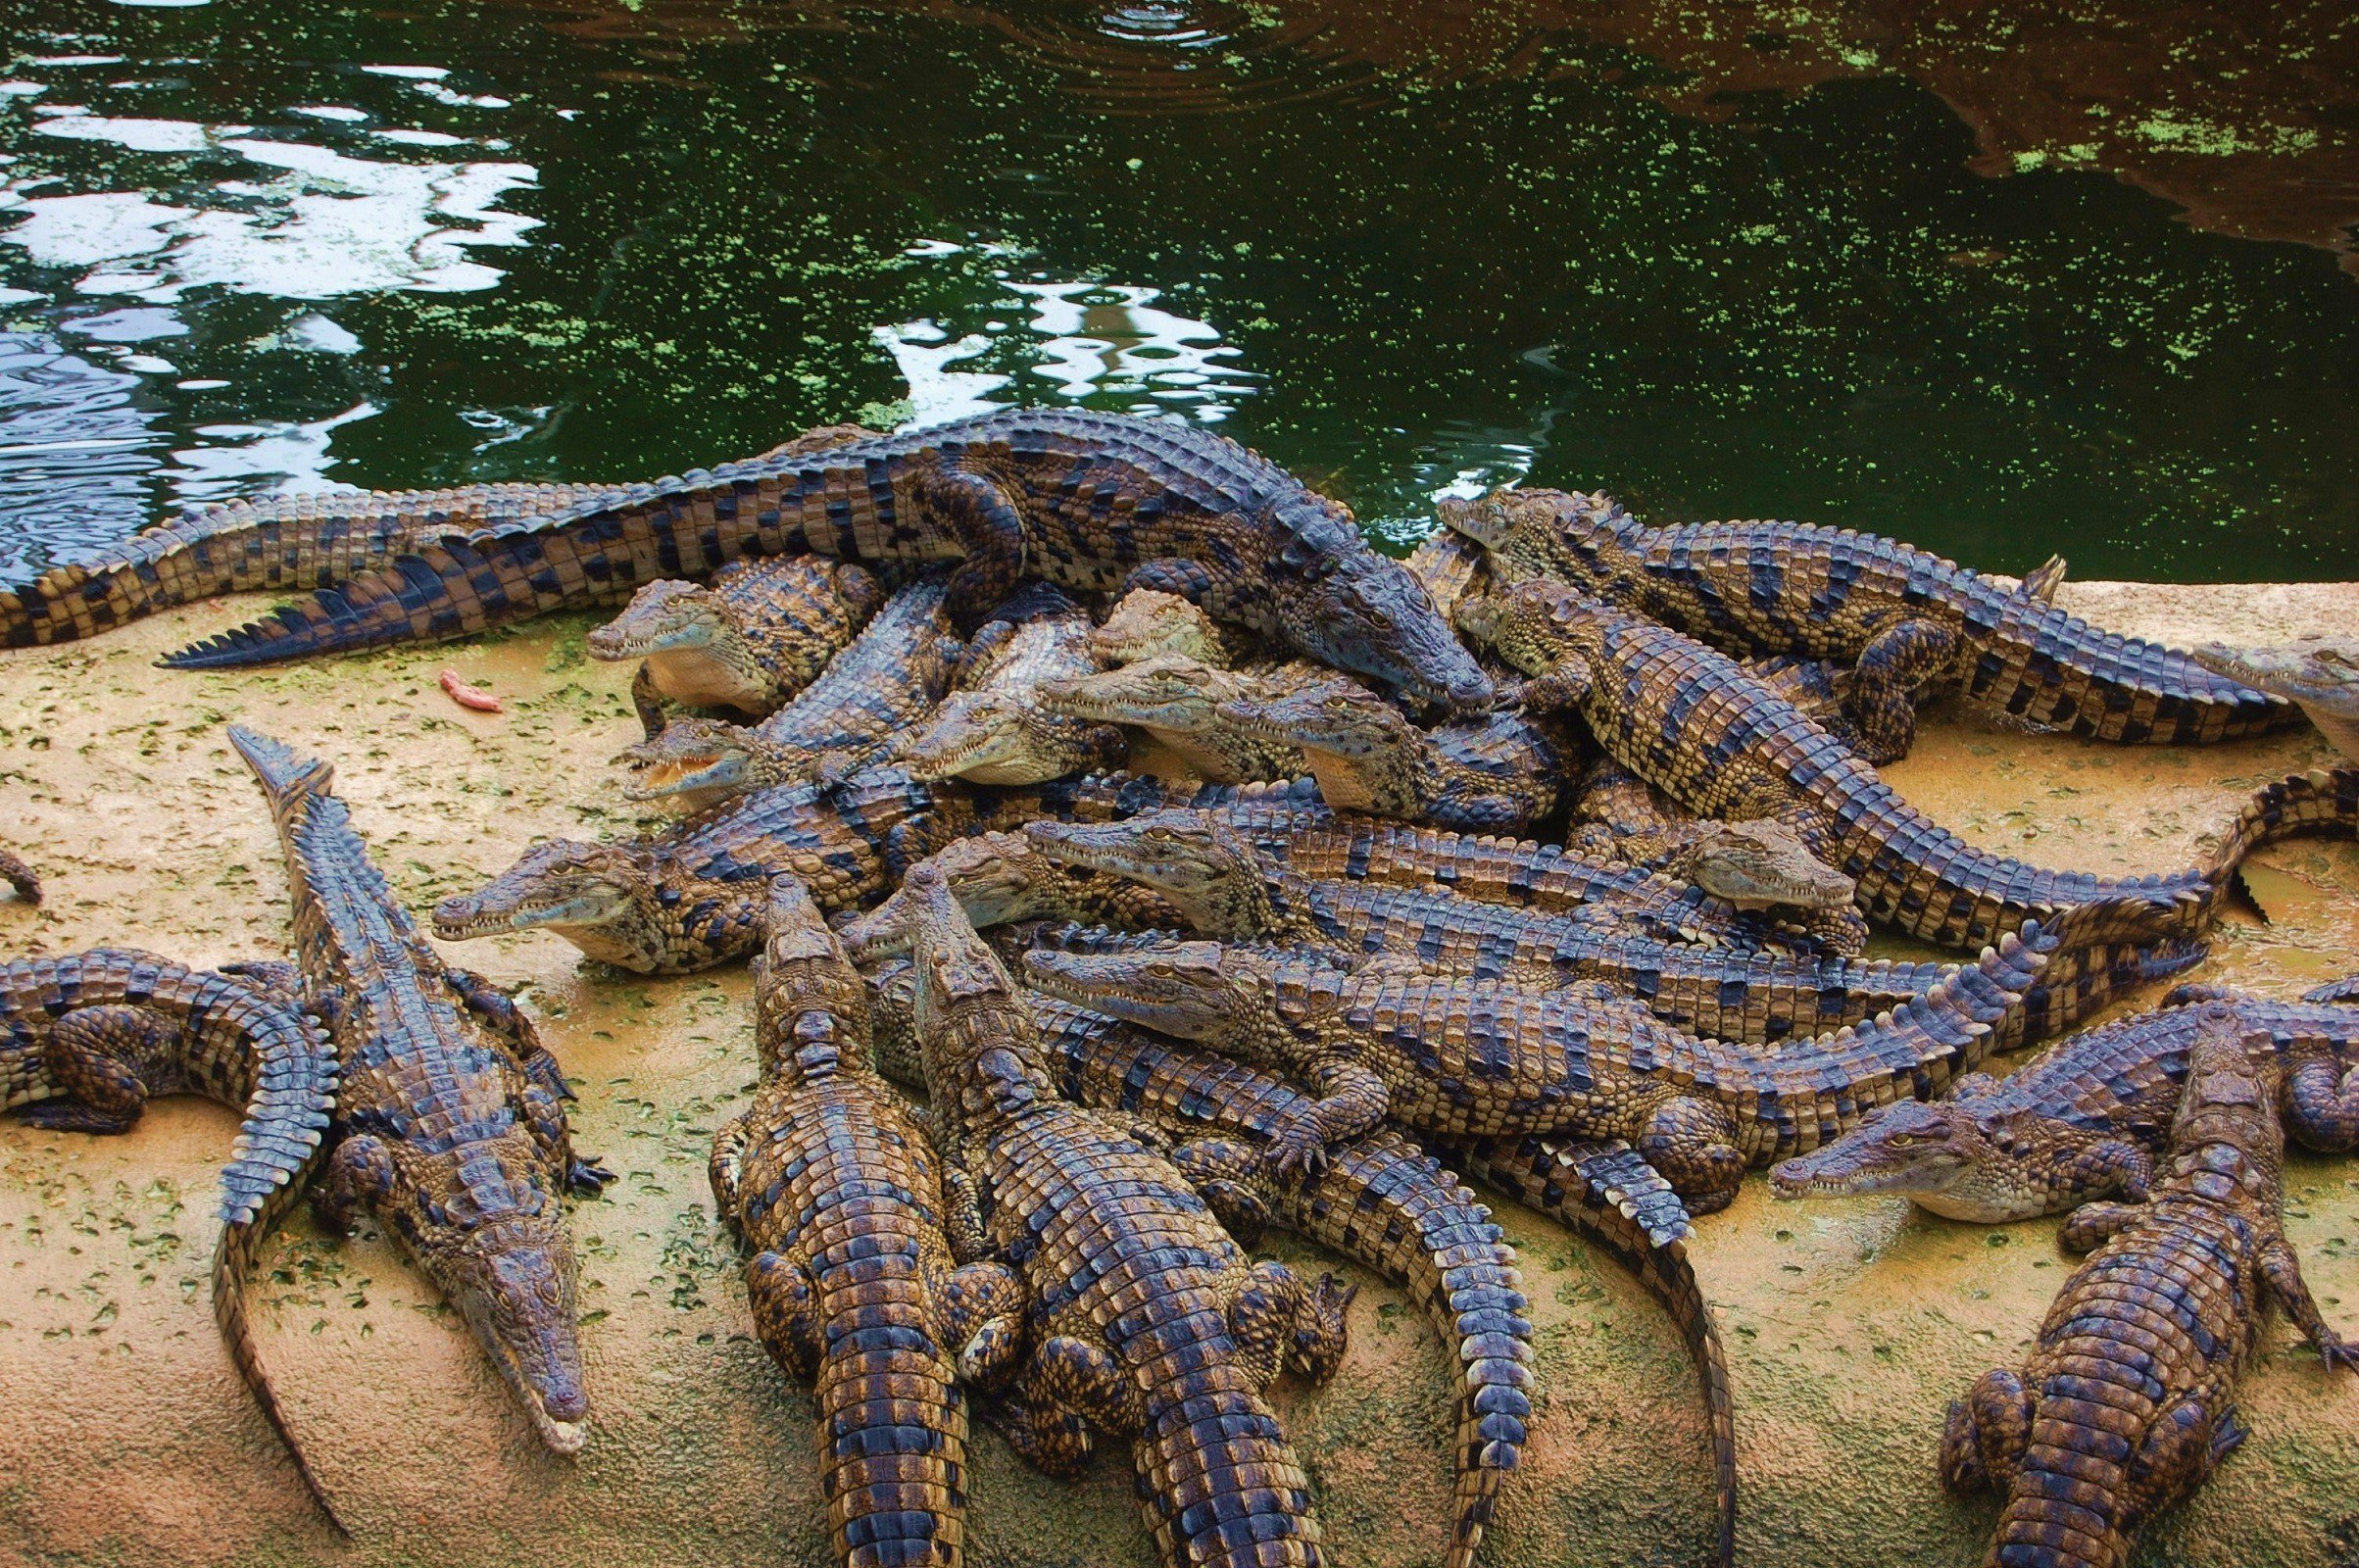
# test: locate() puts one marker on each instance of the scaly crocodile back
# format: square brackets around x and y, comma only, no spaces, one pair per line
[237,1046]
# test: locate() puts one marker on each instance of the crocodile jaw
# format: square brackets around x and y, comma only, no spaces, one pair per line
[2322,675]
[516,1293]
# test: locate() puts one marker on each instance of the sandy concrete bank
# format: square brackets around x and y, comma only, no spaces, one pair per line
[128,1439]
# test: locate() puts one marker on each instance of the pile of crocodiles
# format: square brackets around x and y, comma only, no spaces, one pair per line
[1093,778]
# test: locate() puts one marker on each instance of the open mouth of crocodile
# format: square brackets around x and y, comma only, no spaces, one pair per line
[655,780]
[609,644]
[1795,1179]
[455,919]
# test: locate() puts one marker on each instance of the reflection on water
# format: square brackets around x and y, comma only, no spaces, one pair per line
[1407,250]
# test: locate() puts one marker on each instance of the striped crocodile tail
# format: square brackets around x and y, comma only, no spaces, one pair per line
[287,776]
[892,1442]
[183,561]
[1218,1481]
[233,1264]
[2322,803]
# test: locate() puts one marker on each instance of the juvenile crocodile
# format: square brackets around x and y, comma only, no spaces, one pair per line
[691,897]
[2319,673]
[1177,700]
[1691,722]
[873,693]
[1766,867]
[1145,622]
[1146,1319]
[1383,1202]
[1489,774]
[1001,878]
[1478,1059]
[21,878]
[996,729]
[2085,1120]
[91,1037]
[1912,622]
[832,1187]
[2124,1405]
[1226,890]
[284,542]
[1091,501]
[450,1124]
[760,633]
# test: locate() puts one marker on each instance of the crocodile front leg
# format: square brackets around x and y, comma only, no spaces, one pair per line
[99,1056]
[648,703]
[2280,1266]
[360,1175]
[2093,1225]
[1897,663]
[1353,1099]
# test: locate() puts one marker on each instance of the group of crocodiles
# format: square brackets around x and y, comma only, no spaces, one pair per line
[1308,967]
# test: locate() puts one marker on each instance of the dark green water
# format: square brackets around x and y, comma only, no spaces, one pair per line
[247,245]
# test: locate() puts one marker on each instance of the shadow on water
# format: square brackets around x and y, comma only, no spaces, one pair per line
[1404,249]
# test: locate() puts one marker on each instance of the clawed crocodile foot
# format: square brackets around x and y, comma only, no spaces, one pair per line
[589,1176]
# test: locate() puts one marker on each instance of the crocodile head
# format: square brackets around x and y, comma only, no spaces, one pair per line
[1189,990]
[1146,622]
[1987,1167]
[996,877]
[994,737]
[1163,691]
[483,1225]
[1761,865]
[1372,615]
[602,897]
[804,976]
[692,646]
[1363,750]
[977,1036]
[699,762]
[1573,536]
[1534,624]
[2321,673]
[1206,867]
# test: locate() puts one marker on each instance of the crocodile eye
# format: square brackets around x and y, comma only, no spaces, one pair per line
[1901,1140]
[1161,971]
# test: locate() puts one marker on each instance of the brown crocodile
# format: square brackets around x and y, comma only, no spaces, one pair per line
[761,632]
[450,1125]
[996,729]
[1177,700]
[1689,720]
[1912,623]
[873,693]
[91,1037]
[1146,1319]
[1383,1202]
[1479,1058]
[2085,1120]
[1207,869]
[21,878]
[1089,502]
[833,1189]
[1499,772]
[282,542]
[1765,867]
[2125,1405]
[1145,622]
[1000,879]
[691,897]
[2319,673]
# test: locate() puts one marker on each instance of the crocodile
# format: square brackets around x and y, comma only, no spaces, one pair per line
[757,634]
[2124,1405]
[1689,720]
[89,1038]
[1001,878]
[1177,700]
[450,1125]
[1383,1202]
[1500,772]
[2320,675]
[1910,622]
[21,878]
[1145,1318]
[305,541]
[1145,621]
[870,694]
[2085,1120]
[1765,867]
[1479,1058]
[996,729]
[1089,502]
[833,1189]
[691,897]
[1210,871]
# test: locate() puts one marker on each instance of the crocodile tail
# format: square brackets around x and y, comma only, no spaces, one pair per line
[295,1074]
[287,778]
[1216,1480]
[219,550]
[2322,801]
[2048,668]
[892,1435]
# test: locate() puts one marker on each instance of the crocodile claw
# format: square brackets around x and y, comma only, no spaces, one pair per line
[589,1176]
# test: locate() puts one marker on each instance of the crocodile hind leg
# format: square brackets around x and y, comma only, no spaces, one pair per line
[1987,1431]
[1896,664]
[1691,1142]
[2179,1453]
[1222,1170]
[786,1313]
[1276,1319]
[1051,1440]
[982,1311]
[991,530]
[2322,1106]
[19,876]
[100,1057]
[2280,1266]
